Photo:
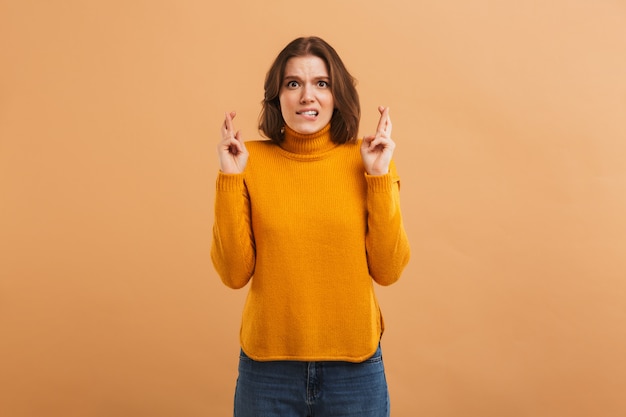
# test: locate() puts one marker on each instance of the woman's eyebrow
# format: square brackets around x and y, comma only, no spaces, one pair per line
[295,77]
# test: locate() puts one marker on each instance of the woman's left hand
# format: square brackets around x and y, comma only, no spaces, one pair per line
[377,150]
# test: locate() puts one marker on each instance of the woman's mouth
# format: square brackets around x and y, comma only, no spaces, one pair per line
[308,114]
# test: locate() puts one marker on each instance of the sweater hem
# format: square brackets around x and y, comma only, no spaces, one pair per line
[295,358]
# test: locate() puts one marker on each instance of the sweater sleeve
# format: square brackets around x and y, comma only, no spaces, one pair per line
[386,242]
[233,249]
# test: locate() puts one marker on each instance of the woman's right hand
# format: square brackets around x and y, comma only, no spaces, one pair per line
[231,150]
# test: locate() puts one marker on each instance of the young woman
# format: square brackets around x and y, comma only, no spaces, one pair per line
[311,217]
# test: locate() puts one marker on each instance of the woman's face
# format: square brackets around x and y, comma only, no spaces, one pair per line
[306,101]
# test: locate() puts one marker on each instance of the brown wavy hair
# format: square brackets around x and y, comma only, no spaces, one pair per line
[344,124]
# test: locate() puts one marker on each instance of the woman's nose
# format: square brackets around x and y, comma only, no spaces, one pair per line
[307,95]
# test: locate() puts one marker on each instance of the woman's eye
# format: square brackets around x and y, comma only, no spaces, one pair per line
[292,84]
[322,84]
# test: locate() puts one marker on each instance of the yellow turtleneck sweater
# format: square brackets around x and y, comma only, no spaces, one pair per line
[312,230]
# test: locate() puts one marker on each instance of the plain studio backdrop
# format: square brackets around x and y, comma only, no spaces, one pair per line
[510,124]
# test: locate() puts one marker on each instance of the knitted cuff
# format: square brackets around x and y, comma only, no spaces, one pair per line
[229,182]
[379,183]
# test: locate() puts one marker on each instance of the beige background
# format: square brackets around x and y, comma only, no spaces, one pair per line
[510,123]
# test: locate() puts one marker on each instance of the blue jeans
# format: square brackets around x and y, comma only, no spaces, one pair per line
[311,389]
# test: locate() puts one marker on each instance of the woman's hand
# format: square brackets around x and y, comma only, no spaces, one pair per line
[231,150]
[377,150]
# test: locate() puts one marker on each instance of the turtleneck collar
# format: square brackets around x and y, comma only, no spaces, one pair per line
[311,144]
